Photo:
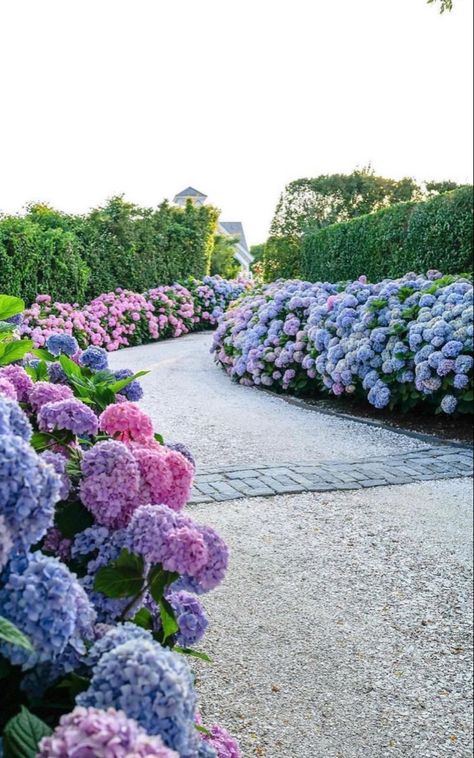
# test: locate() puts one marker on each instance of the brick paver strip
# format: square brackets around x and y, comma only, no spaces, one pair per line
[238,481]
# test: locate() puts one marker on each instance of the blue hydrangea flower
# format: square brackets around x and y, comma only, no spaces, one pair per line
[56,374]
[29,490]
[133,391]
[115,636]
[95,358]
[206,751]
[449,404]
[62,344]
[190,616]
[45,600]
[151,685]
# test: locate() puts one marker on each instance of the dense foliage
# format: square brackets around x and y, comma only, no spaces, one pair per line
[398,343]
[101,571]
[123,318]
[119,245]
[436,233]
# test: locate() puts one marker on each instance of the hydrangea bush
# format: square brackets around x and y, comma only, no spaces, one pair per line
[123,318]
[397,343]
[100,568]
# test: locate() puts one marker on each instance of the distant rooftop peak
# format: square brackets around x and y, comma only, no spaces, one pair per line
[190,192]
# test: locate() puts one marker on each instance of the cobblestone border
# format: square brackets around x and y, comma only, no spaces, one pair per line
[245,480]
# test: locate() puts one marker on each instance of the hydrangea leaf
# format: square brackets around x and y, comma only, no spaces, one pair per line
[10,306]
[122,577]
[168,621]
[23,734]
[10,633]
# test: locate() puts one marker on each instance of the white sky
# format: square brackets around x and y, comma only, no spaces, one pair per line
[234,97]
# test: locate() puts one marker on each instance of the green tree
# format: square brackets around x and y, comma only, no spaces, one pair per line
[223,260]
[445,5]
[437,188]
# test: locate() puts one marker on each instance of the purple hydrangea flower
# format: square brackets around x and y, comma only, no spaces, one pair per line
[46,602]
[20,380]
[98,733]
[70,415]
[59,463]
[6,543]
[45,392]
[151,685]
[222,742]
[62,344]
[110,484]
[190,616]
[56,374]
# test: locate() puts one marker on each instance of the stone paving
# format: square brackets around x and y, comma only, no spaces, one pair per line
[242,481]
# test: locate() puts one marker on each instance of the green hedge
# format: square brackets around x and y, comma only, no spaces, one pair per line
[76,258]
[432,234]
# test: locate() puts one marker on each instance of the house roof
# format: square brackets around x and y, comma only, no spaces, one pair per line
[190,192]
[235,229]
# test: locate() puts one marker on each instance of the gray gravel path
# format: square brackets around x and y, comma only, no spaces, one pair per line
[344,627]
[194,402]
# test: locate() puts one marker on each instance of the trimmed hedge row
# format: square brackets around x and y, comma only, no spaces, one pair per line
[76,258]
[433,234]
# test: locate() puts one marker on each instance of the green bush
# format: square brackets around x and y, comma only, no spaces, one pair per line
[432,234]
[34,260]
[75,258]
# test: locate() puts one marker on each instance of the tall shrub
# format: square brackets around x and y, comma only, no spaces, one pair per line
[432,234]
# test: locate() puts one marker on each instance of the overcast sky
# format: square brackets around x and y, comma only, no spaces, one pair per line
[235,98]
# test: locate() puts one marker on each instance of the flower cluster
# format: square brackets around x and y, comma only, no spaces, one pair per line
[68,415]
[47,603]
[102,734]
[123,318]
[151,685]
[395,343]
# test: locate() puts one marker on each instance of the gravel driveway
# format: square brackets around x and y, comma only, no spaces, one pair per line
[194,402]
[343,629]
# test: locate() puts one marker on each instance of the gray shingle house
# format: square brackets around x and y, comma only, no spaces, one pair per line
[230,228]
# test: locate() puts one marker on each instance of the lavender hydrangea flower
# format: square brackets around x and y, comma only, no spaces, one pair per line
[98,733]
[222,742]
[29,490]
[95,358]
[6,543]
[45,392]
[56,374]
[13,420]
[70,415]
[7,389]
[151,685]
[46,602]
[59,463]
[190,616]
[62,344]
[110,484]
[133,391]
[20,380]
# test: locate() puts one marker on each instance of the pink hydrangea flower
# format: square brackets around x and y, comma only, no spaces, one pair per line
[7,389]
[127,423]
[17,376]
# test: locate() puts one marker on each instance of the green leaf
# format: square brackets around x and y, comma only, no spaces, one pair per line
[73,518]
[168,620]
[14,351]
[10,306]
[117,386]
[45,355]
[41,441]
[121,578]
[143,618]
[22,735]
[10,633]
[193,653]
[69,367]
[202,729]
[159,438]
[159,580]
